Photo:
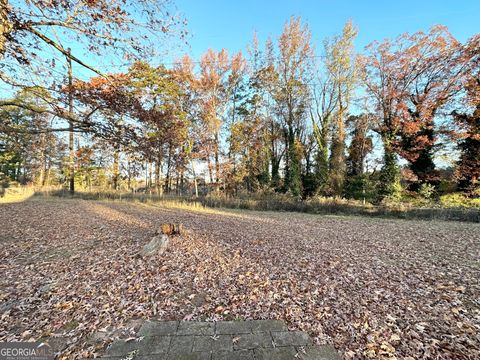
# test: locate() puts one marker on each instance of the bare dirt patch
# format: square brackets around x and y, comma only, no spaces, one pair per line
[370,287]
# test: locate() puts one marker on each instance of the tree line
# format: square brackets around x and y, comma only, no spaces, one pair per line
[283,117]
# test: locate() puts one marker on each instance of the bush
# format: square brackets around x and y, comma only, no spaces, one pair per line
[427,191]
[458,200]
[446,186]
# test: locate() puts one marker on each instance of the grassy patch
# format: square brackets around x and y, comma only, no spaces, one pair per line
[16,194]
[279,202]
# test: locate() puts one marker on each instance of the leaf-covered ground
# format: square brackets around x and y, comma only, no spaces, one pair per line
[370,287]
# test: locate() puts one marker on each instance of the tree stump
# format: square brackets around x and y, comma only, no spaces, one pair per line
[160,241]
[157,245]
[170,229]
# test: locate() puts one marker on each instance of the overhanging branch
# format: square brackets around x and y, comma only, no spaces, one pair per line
[62,50]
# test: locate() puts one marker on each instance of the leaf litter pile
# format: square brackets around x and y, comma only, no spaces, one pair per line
[371,287]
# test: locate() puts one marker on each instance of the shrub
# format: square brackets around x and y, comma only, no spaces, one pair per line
[427,191]
[446,186]
[453,200]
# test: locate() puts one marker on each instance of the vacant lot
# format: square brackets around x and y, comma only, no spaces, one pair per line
[370,287]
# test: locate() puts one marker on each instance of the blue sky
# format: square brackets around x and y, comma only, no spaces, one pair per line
[230,24]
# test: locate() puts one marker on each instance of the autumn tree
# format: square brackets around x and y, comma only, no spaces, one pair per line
[467,171]
[263,86]
[143,111]
[321,112]
[340,63]
[162,116]
[249,135]
[31,28]
[361,143]
[386,81]
[436,68]
[289,83]
[189,86]
[358,183]
[34,51]
[218,89]
[237,84]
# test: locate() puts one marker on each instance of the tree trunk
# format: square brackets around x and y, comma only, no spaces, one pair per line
[217,162]
[150,174]
[5,26]
[210,170]
[167,177]
[182,182]
[41,181]
[146,176]
[47,173]
[129,174]
[158,182]
[45,170]
[322,161]
[116,166]
[274,160]
[71,138]
[194,179]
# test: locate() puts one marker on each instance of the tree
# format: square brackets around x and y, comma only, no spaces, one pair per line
[467,171]
[361,144]
[289,89]
[250,133]
[162,116]
[386,80]
[358,184]
[264,83]
[34,34]
[143,110]
[340,63]
[189,103]
[33,38]
[436,67]
[29,148]
[237,85]
[410,80]
[321,111]
[218,87]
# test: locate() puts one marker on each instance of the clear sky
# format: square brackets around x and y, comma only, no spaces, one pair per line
[230,24]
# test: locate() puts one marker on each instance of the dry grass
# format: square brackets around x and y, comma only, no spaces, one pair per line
[279,202]
[14,195]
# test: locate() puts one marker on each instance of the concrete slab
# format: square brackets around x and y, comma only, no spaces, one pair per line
[224,340]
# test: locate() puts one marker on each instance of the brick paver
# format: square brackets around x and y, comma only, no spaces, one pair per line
[223,340]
